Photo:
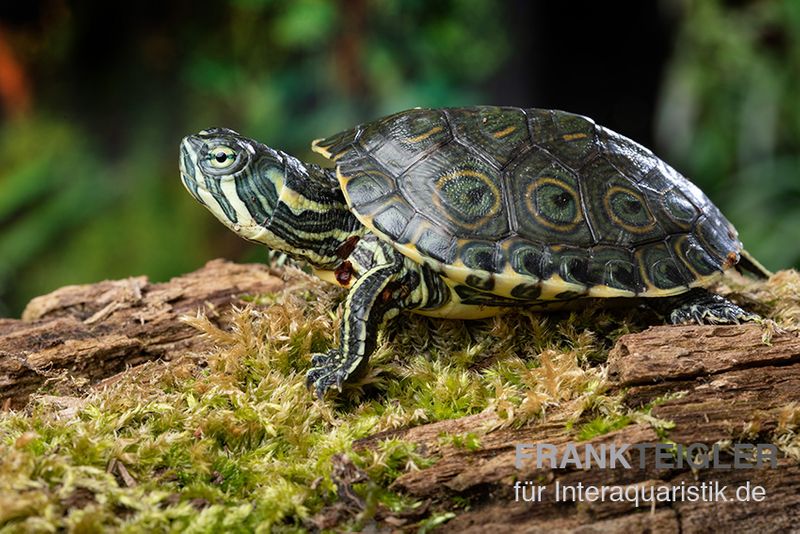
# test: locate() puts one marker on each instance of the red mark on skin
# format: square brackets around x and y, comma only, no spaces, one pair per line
[730,260]
[389,293]
[346,248]
[344,273]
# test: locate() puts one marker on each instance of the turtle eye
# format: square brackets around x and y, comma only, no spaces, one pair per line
[221,157]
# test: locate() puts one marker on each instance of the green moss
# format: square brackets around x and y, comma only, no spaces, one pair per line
[233,441]
[430,524]
[661,426]
[615,416]
[468,441]
[602,425]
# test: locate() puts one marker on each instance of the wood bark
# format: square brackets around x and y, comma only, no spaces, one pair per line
[733,387]
[90,332]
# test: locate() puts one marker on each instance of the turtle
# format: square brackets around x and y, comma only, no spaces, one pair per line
[469,212]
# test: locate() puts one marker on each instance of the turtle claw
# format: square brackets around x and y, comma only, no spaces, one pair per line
[326,373]
[318,360]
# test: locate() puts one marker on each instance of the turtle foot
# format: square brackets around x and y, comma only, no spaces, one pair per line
[327,371]
[709,308]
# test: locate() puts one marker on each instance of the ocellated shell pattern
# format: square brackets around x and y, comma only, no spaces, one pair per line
[525,196]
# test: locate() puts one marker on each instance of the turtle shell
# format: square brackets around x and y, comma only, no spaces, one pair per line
[530,203]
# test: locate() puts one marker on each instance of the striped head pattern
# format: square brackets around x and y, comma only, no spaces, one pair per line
[237,179]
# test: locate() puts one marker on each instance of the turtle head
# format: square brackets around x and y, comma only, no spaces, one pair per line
[236,178]
[267,196]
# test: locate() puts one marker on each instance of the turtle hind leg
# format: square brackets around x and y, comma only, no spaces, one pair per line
[702,307]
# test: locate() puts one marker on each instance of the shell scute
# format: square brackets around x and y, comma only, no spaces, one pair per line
[336,146]
[463,192]
[571,264]
[557,209]
[674,211]
[393,217]
[660,269]
[436,243]
[497,133]
[546,201]
[624,154]
[364,181]
[570,138]
[402,139]
[526,258]
[619,211]
[614,267]
[718,237]
[479,255]
[694,255]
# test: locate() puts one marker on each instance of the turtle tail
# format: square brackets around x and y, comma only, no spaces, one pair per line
[748,263]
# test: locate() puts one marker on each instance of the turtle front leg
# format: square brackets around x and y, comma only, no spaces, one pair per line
[376,297]
[702,307]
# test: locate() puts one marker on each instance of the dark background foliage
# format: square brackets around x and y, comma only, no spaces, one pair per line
[94,103]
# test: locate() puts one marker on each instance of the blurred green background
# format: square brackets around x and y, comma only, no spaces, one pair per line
[95,103]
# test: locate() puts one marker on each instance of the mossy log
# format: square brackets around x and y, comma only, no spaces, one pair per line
[733,387]
[90,332]
[703,384]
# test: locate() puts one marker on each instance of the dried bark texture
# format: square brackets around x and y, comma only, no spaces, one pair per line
[93,331]
[734,387]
